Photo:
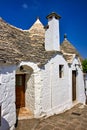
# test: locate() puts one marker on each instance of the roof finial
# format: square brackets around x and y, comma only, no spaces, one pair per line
[38,17]
[65,36]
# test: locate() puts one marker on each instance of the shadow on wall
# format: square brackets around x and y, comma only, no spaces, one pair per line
[4,124]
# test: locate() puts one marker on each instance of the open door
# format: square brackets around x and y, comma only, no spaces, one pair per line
[20,90]
[73,85]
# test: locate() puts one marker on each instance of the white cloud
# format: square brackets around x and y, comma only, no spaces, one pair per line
[35,5]
[25,6]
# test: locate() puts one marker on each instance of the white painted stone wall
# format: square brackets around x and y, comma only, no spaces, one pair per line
[38,86]
[33,92]
[80,87]
[46,93]
[52,36]
[30,92]
[55,95]
[33,88]
[85,81]
[7,97]
[80,92]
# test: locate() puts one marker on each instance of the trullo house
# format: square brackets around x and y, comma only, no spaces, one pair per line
[37,72]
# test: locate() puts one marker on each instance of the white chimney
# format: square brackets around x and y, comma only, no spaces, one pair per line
[52,37]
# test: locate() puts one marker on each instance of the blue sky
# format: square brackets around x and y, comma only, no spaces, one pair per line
[23,13]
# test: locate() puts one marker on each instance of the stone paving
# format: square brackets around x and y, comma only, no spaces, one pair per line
[73,119]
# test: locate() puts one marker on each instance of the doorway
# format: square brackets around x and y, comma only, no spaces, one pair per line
[20,90]
[73,85]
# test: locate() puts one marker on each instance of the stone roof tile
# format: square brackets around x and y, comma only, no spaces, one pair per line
[18,45]
[69,50]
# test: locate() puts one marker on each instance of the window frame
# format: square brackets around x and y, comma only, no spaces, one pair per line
[61,71]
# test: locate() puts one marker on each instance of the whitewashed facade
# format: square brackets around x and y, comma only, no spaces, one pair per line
[56,93]
[46,93]
[55,90]
[80,92]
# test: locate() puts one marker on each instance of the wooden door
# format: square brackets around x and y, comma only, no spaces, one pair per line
[73,85]
[20,90]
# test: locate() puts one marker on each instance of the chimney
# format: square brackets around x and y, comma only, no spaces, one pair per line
[52,37]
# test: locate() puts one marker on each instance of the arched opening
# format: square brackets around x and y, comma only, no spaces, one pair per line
[24,90]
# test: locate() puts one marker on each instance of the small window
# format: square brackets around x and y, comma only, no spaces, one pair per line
[61,71]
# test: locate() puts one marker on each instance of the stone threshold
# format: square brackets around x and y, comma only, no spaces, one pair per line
[24,113]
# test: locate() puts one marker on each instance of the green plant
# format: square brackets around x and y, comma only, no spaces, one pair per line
[84,65]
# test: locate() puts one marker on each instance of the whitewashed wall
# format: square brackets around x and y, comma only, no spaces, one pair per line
[29,84]
[80,95]
[30,92]
[80,87]
[55,96]
[52,35]
[85,82]
[7,97]
[33,88]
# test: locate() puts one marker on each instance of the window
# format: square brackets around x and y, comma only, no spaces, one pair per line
[61,71]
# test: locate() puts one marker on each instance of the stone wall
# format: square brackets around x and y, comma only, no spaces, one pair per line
[33,88]
[52,36]
[55,96]
[7,97]
[80,91]
[56,93]
[85,82]
[30,91]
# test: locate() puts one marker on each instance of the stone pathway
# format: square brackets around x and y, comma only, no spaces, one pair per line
[73,119]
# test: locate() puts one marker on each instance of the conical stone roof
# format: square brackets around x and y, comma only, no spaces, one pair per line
[67,47]
[69,50]
[37,28]
[19,45]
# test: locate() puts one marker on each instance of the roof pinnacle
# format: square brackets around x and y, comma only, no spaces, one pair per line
[38,17]
[65,36]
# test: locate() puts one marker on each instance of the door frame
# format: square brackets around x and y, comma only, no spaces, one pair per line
[74,91]
[21,93]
